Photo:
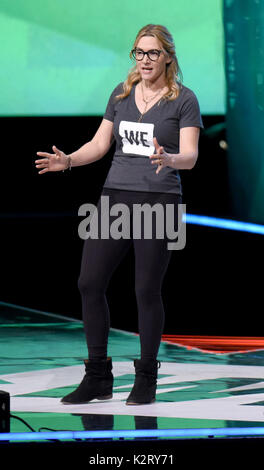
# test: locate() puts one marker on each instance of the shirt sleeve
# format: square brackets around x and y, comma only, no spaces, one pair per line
[190,112]
[111,105]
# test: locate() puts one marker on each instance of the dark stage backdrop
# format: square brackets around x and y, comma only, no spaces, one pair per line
[211,287]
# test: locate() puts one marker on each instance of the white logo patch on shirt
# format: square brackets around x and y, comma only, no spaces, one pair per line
[137,137]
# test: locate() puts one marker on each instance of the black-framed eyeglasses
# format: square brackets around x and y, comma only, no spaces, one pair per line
[153,54]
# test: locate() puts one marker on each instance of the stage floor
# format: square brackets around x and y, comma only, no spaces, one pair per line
[42,360]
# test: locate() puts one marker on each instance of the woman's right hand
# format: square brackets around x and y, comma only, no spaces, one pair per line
[56,161]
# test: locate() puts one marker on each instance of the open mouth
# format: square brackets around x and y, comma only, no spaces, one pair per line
[147,69]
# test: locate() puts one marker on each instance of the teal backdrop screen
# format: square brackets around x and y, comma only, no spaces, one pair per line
[60,57]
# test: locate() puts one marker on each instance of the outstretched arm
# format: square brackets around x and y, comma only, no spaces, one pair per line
[186,158]
[90,152]
[96,148]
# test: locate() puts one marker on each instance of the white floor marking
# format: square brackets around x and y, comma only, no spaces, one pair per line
[230,408]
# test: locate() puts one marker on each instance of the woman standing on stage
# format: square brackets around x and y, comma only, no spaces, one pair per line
[155,121]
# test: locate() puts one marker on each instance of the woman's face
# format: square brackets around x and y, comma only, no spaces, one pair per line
[151,70]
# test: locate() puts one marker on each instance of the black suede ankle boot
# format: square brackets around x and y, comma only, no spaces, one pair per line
[144,389]
[97,383]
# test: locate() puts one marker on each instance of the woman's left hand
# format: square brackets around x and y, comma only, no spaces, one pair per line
[160,158]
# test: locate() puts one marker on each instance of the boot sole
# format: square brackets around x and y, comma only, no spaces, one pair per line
[105,397]
[134,403]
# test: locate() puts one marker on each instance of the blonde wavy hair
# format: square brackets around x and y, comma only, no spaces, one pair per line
[174,75]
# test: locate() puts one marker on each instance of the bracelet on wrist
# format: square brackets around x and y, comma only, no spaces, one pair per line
[69,164]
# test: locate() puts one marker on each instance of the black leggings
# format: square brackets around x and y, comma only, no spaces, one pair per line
[100,259]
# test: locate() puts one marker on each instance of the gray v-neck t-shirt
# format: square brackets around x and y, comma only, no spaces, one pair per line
[131,167]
